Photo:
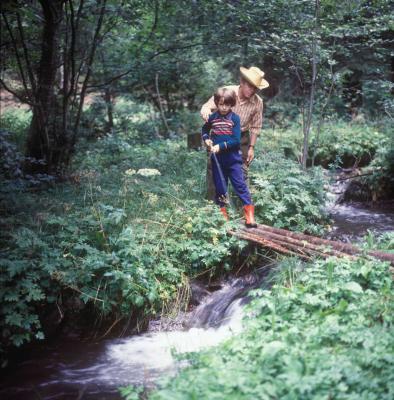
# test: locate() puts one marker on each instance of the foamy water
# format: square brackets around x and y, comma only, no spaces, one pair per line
[142,358]
[100,369]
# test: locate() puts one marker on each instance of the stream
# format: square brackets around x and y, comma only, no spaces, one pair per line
[78,370]
[352,221]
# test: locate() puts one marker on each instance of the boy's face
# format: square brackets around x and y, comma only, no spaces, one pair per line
[223,108]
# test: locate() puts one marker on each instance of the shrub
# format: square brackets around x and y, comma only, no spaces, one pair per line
[286,196]
[17,122]
[355,144]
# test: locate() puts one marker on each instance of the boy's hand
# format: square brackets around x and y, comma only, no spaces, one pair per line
[208,142]
[215,149]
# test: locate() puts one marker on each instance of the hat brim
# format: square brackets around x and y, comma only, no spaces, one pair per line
[246,74]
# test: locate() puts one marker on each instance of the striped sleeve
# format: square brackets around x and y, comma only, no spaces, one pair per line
[256,121]
[207,128]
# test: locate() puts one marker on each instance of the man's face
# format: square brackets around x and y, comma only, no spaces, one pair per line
[248,90]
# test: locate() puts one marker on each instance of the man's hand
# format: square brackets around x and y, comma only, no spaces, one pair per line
[205,114]
[250,156]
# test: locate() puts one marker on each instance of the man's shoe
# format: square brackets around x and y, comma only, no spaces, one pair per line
[224,212]
[249,216]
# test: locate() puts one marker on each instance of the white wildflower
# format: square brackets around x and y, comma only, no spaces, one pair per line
[148,172]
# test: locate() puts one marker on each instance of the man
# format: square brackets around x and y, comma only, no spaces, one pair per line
[249,106]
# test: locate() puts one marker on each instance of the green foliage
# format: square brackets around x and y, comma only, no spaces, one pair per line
[122,242]
[16,121]
[325,333]
[383,242]
[339,142]
[355,144]
[381,181]
[127,234]
[131,393]
[287,197]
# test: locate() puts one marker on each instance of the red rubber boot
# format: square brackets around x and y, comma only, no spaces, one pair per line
[224,212]
[249,216]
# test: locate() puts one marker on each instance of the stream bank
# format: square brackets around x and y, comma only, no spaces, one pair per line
[72,369]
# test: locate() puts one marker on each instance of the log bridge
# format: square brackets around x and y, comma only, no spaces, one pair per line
[304,246]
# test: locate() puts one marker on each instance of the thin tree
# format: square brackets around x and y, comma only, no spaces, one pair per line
[308,121]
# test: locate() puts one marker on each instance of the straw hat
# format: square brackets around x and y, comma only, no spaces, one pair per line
[255,76]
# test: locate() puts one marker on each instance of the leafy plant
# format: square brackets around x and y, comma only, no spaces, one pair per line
[287,197]
[128,231]
[324,333]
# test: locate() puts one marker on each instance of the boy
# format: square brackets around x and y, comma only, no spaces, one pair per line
[222,135]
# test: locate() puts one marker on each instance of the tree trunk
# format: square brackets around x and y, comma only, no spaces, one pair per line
[162,113]
[307,124]
[110,108]
[43,132]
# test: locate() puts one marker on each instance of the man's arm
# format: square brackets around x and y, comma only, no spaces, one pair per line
[207,109]
[254,130]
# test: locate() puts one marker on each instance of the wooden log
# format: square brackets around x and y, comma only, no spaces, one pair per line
[303,244]
[339,246]
[266,243]
[304,250]
[300,251]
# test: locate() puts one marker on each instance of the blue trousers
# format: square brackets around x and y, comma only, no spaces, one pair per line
[231,166]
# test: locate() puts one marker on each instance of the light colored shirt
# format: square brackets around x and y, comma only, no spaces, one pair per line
[250,111]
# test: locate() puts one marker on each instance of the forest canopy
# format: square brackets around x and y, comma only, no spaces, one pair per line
[320,57]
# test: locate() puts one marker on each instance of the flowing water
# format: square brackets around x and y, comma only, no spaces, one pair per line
[77,370]
[352,221]
[73,370]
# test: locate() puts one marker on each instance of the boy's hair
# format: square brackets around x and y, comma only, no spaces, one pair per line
[228,95]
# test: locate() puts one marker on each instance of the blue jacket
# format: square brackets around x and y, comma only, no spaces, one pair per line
[225,130]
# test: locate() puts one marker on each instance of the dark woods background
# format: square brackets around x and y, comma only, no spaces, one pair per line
[322,58]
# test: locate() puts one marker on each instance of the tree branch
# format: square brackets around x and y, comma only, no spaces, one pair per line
[89,66]
[25,52]
[163,116]
[19,62]
[74,31]
[16,94]
[167,50]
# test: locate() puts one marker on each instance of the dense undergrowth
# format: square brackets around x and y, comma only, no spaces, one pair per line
[120,240]
[324,330]
[122,237]
[365,148]
[336,142]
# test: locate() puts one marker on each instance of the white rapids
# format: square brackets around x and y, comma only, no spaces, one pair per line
[94,371]
[143,358]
